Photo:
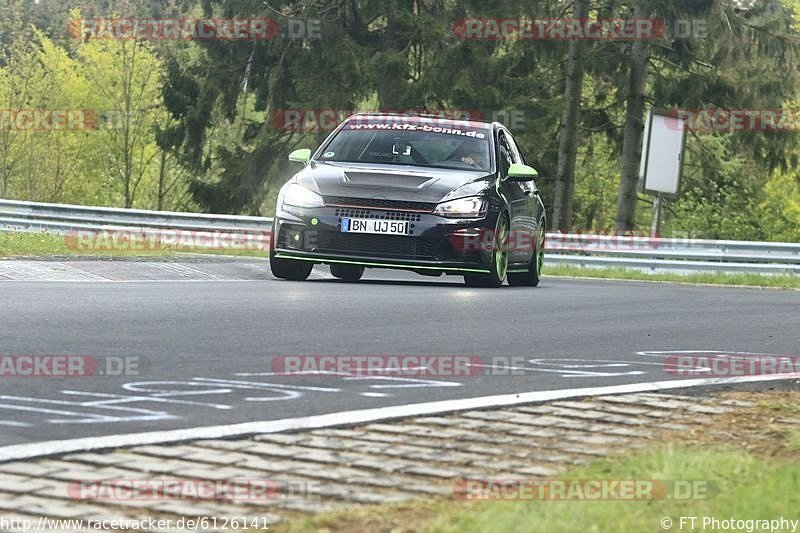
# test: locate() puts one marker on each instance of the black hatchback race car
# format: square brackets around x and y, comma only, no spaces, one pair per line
[425,194]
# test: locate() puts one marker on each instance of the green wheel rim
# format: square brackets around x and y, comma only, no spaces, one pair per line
[501,250]
[540,252]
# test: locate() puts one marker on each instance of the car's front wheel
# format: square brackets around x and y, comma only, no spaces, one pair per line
[532,276]
[289,268]
[347,272]
[499,262]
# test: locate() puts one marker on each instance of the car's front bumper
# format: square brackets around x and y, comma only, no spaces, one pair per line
[436,244]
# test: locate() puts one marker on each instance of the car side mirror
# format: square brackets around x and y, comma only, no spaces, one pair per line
[518,172]
[303,155]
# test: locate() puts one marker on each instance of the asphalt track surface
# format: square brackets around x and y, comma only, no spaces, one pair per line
[206,347]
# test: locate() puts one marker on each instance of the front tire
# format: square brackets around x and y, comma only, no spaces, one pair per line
[533,275]
[289,268]
[499,261]
[350,273]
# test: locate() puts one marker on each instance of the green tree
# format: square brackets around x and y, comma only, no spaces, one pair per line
[126,79]
[747,60]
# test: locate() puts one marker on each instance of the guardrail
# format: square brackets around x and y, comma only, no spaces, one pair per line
[59,218]
[661,254]
[673,254]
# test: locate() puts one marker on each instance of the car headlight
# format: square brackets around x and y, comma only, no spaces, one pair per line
[472,207]
[298,196]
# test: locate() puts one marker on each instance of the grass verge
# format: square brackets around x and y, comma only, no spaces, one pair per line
[47,244]
[787,281]
[745,486]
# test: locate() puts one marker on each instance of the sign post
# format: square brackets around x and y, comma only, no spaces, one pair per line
[656,216]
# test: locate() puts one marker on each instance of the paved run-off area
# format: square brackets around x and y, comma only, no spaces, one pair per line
[327,469]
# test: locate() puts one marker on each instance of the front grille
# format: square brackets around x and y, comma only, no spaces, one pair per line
[351,212]
[378,245]
[365,244]
[399,205]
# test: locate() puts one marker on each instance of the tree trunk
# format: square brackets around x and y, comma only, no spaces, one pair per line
[162,192]
[393,62]
[633,132]
[570,126]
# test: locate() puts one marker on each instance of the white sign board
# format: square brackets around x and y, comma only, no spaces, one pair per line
[662,154]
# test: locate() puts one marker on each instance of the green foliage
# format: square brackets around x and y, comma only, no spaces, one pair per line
[779,210]
[719,192]
[596,184]
[111,157]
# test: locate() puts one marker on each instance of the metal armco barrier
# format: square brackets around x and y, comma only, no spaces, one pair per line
[640,253]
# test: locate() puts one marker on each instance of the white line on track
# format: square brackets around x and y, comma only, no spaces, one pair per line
[39,449]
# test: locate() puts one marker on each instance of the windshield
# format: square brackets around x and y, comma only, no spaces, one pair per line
[427,145]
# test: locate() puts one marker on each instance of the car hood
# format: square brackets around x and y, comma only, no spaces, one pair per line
[392,182]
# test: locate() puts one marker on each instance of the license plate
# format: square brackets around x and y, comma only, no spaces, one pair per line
[370,225]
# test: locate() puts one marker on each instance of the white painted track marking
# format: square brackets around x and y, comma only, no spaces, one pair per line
[31,450]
